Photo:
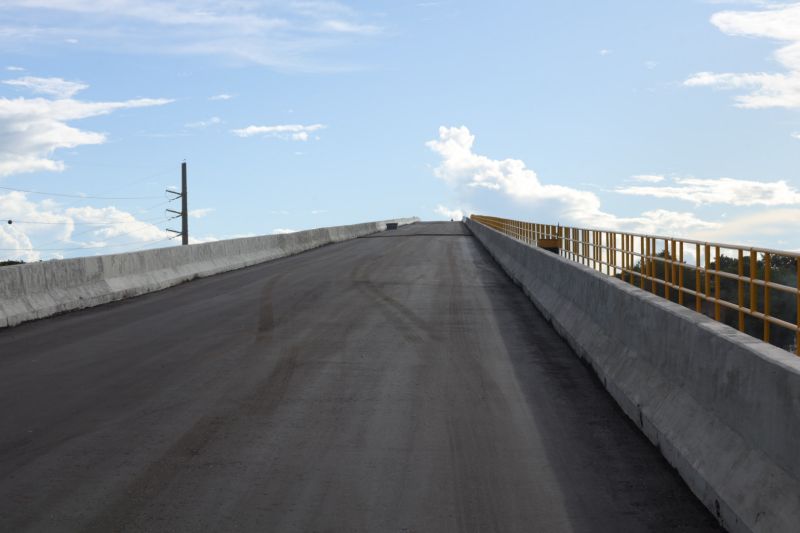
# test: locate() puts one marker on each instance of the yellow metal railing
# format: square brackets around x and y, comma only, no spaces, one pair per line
[751,288]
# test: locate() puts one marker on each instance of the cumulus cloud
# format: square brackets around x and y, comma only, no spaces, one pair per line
[32,129]
[45,229]
[796,135]
[283,231]
[453,214]
[722,191]
[222,96]
[461,166]
[277,34]
[469,173]
[295,132]
[779,22]
[463,169]
[113,222]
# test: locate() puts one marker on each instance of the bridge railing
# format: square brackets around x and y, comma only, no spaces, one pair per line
[749,288]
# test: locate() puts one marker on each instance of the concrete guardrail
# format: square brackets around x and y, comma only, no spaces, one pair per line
[38,290]
[722,407]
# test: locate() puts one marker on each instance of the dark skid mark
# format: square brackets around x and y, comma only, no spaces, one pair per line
[383,236]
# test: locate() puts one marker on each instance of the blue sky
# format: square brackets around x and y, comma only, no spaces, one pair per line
[676,118]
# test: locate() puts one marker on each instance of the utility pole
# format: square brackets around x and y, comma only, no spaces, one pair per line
[184,206]
[184,212]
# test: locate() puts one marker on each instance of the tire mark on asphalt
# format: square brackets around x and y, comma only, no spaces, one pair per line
[153,480]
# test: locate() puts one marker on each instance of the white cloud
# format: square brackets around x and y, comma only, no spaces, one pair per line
[32,129]
[201,212]
[343,26]
[464,170]
[295,132]
[204,123]
[469,173]
[454,214]
[201,240]
[283,231]
[14,244]
[213,238]
[650,65]
[779,22]
[45,229]
[278,34]
[648,178]
[761,228]
[163,12]
[604,52]
[12,68]
[120,223]
[796,135]
[662,221]
[460,166]
[722,191]
[222,96]
[55,87]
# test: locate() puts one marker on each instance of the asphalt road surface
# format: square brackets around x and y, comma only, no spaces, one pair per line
[398,382]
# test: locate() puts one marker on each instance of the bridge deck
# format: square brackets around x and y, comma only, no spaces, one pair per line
[398,382]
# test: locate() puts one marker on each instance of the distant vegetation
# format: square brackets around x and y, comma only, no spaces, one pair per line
[9,263]
[783,305]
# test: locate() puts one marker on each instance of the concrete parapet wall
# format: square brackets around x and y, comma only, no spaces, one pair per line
[39,290]
[723,407]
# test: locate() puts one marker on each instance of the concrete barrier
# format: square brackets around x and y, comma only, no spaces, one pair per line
[38,290]
[722,407]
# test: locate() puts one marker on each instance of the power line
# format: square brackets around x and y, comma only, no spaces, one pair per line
[81,196]
[139,180]
[161,172]
[150,207]
[82,247]
[73,235]
[76,223]
[154,220]
[97,226]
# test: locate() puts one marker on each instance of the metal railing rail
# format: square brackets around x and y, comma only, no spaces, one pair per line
[635,258]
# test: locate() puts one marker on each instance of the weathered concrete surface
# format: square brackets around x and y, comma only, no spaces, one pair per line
[723,407]
[398,382]
[39,290]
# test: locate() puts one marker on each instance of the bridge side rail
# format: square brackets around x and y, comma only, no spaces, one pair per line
[722,407]
[761,283]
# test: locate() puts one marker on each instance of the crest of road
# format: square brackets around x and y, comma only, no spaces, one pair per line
[395,382]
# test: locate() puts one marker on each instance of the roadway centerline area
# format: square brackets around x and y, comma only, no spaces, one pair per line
[378,384]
